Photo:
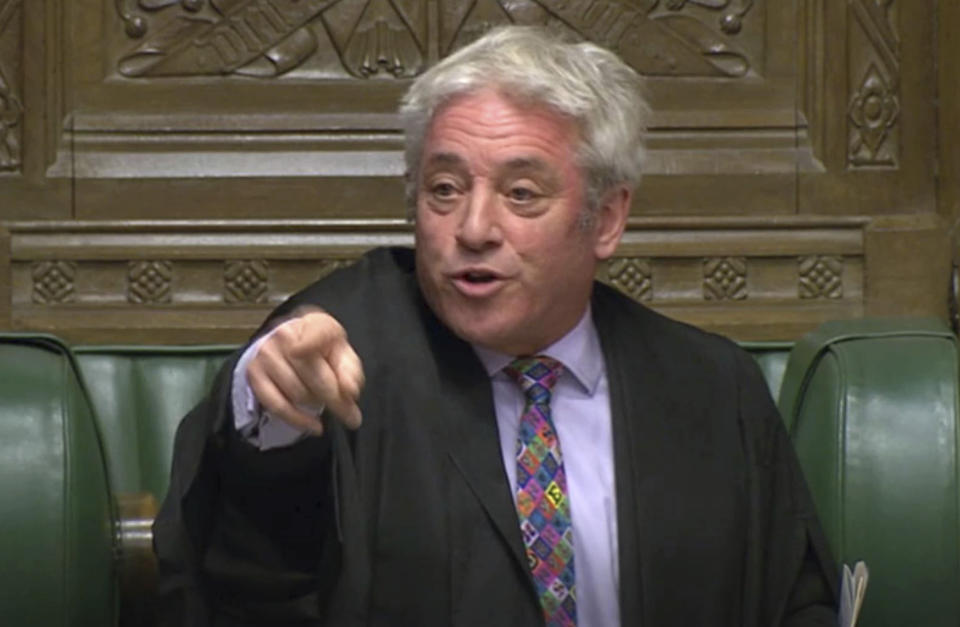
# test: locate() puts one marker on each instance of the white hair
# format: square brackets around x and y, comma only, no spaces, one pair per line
[582,81]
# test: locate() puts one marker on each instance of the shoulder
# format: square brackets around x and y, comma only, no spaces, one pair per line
[376,270]
[697,375]
[629,327]
[380,276]
[684,360]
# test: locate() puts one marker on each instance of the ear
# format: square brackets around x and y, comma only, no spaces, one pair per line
[611,220]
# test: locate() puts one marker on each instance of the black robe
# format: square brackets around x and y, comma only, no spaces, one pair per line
[410,520]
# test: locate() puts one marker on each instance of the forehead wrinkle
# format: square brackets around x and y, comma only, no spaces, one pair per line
[472,134]
[505,116]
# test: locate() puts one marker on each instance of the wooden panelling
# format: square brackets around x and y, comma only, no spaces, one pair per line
[910,264]
[11,86]
[31,110]
[199,281]
[868,93]
[171,169]
[948,37]
[6,295]
[261,94]
[949,137]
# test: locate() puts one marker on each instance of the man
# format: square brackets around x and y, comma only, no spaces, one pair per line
[522,446]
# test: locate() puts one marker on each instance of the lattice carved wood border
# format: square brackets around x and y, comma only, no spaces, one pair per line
[218,280]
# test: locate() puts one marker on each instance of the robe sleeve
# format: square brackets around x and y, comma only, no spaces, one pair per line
[275,537]
[244,533]
[182,525]
[812,594]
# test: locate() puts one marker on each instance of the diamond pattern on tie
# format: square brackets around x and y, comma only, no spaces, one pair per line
[543,504]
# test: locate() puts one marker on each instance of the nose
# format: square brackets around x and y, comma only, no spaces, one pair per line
[479,228]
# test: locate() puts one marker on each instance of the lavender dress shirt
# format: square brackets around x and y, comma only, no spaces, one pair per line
[580,408]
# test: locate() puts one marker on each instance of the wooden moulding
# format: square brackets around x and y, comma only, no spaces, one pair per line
[5,279]
[196,282]
[949,110]
[910,266]
[948,92]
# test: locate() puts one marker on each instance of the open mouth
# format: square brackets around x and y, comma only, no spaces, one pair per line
[478,277]
[478,282]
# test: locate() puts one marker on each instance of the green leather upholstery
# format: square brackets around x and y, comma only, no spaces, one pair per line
[160,384]
[139,394]
[772,358]
[56,534]
[872,407]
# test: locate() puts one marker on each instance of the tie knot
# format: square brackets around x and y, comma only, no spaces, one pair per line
[536,376]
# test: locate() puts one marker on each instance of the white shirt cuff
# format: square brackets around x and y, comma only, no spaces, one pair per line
[257,426]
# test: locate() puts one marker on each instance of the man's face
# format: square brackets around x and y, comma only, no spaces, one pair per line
[502,256]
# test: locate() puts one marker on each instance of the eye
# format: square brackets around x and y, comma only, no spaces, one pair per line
[522,195]
[443,190]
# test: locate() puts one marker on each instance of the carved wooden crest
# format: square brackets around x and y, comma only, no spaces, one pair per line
[399,38]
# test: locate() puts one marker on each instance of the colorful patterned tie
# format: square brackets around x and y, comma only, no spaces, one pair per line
[542,501]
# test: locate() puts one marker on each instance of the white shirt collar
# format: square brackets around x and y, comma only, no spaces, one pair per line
[579,352]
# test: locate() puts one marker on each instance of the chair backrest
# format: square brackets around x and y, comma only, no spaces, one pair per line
[158,385]
[872,408]
[139,394]
[871,405]
[772,358]
[56,531]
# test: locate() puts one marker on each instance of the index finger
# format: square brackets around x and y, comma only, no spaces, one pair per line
[348,368]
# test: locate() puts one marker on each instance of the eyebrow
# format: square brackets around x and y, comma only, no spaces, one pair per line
[533,165]
[526,163]
[443,158]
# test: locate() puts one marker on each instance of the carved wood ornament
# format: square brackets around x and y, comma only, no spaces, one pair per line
[820,276]
[725,278]
[53,282]
[399,38]
[11,111]
[182,166]
[632,276]
[874,108]
[149,282]
[245,281]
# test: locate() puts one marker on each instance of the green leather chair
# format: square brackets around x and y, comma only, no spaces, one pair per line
[872,408]
[57,540]
[772,358]
[86,437]
[140,393]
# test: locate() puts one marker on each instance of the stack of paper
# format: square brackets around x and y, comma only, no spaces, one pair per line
[851,593]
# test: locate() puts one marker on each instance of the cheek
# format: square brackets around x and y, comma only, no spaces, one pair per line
[534,239]
[426,236]
[552,246]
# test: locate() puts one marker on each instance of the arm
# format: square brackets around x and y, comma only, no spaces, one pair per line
[247,532]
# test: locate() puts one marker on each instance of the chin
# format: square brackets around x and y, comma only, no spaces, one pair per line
[482,324]
[477,328]
[473,329]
